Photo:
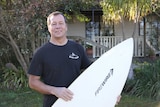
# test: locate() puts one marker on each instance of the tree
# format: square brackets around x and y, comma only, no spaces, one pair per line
[16,21]
[118,10]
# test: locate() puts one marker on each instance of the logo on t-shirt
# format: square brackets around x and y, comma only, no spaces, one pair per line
[73,56]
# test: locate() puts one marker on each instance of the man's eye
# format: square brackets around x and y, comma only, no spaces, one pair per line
[53,24]
[61,23]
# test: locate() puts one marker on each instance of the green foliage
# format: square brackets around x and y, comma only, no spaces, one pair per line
[116,10]
[146,82]
[72,8]
[13,79]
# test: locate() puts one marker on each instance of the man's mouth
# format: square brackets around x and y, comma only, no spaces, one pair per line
[58,32]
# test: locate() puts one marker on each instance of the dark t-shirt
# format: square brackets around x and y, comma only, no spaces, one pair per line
[58,65]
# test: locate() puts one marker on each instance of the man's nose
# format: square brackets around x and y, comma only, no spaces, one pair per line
[58,25]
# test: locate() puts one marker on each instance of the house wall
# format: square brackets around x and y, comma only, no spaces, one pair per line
[76,29]
[128,29]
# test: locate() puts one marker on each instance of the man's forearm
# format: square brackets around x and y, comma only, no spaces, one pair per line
[41,87]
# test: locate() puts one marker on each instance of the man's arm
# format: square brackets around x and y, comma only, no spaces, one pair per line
[60,92]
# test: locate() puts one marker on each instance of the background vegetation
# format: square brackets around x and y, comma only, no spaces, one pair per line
[146,82]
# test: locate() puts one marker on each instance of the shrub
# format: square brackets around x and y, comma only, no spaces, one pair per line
[14,79]
[146,82]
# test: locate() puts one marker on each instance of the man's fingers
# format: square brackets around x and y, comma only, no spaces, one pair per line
[64,93]
[68,95]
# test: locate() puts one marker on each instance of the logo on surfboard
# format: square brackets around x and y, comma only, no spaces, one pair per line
[104,81]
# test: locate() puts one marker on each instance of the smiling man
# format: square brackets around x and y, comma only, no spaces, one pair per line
[56,64]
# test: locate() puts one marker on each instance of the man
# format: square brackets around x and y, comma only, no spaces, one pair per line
[56,64]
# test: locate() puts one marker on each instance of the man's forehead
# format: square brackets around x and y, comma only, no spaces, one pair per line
[57,17]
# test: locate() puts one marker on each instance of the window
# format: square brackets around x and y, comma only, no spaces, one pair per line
[107,29]
[92,28]
[98,28]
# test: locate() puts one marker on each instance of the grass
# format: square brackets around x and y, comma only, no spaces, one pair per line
[132,101]
[29,98]
[20,98]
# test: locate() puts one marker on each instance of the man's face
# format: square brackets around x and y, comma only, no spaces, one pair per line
[57,27]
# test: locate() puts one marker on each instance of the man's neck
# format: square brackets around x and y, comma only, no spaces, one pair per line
[59,41]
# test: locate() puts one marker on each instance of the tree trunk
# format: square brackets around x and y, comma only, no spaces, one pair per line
[11,41]
[122,24]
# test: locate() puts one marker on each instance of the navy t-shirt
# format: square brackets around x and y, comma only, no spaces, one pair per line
[58,65]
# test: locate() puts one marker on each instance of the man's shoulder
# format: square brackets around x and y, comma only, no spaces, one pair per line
[72,42]
[76,45]
[42,47]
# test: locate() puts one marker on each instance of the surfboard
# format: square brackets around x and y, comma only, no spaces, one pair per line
[103,81]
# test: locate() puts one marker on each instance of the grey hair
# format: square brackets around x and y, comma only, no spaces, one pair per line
[55,14]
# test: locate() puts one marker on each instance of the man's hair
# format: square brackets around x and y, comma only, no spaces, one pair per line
[55,14]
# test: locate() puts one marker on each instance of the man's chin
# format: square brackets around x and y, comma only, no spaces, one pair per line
[59,36]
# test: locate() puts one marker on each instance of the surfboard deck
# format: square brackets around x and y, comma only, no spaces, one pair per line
[103,81]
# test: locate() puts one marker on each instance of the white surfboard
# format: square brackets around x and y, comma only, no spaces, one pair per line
[103,81]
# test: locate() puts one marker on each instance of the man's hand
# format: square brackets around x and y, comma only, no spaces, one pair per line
[63,93]
[118,99]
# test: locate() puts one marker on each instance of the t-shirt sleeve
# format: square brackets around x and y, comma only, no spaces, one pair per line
[35,67]
[85,60]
